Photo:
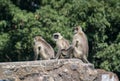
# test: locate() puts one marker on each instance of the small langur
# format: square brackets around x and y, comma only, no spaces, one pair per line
[42,49]
[62,44]
[80,44]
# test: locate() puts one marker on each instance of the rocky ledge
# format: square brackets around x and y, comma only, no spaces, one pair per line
[53,70]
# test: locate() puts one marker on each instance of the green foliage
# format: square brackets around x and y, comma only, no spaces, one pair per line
[4,40]
[21,20]
[109,56]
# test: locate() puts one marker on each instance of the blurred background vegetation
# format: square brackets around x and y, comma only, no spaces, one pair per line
[21,20]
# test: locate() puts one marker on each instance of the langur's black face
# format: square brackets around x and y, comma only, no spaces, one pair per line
[56,36]
[75,30]
[37,38]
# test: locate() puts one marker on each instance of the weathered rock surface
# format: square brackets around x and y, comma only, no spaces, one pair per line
[106,76]
[53,70]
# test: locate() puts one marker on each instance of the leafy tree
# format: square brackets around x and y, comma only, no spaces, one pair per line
[21,20]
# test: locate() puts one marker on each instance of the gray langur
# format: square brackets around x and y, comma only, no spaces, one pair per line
[61,44]
[80,44]
[42,48]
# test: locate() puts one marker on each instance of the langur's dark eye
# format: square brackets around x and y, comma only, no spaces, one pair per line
[76,28]
[56,36]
